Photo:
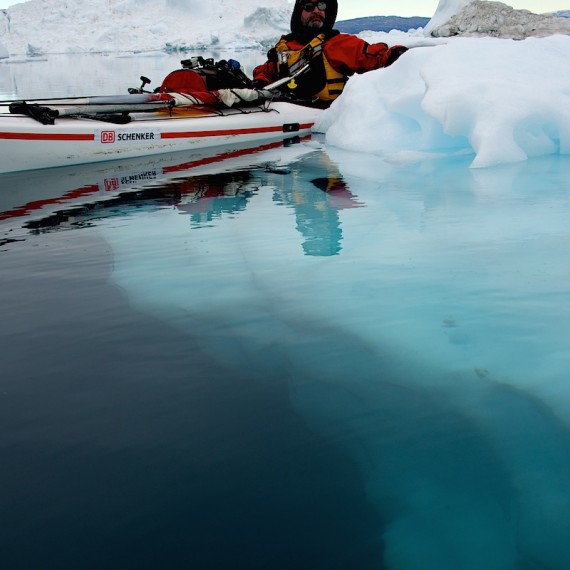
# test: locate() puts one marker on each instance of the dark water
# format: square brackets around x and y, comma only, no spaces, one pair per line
[125,445]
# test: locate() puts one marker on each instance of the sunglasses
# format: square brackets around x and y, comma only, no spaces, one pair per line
[310,6]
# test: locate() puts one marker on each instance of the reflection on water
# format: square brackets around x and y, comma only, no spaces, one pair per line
[286,359]
[203,198]
[317,213]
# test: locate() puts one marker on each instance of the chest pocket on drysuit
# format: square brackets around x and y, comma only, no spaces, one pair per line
[321,80]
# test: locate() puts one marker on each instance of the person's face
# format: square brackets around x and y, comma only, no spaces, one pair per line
[314,18]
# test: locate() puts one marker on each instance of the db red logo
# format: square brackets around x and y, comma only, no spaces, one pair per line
[111,184]
[107,137]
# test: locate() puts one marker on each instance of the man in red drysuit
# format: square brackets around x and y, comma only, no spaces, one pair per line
[331,57]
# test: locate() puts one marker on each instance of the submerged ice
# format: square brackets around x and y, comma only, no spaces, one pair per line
[430,345]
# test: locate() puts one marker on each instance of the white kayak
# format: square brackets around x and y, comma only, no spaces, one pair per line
[26,144]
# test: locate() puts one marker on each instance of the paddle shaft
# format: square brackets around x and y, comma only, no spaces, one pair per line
[96,100]
[284,80]
[64,111]
[47,115]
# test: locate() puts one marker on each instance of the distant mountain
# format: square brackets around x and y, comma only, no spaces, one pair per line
[381,24]
[562,14]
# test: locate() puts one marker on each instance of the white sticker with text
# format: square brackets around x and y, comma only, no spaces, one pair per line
[129,136]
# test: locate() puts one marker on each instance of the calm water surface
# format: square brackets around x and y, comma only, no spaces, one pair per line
[285,359]
[63,75]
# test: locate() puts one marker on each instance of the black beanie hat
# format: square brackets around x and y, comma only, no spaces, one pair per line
[300,31]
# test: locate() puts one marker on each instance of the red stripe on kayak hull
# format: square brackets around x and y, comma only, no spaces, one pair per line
[47,136]
[169,135]
[230,132]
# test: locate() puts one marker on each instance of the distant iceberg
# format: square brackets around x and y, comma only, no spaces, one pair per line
[495,19]
[102,26]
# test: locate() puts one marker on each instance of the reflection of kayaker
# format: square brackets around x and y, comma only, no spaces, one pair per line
[338,193]
[317,211]
[206,198]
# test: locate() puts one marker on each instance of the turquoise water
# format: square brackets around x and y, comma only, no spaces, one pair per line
[289,359]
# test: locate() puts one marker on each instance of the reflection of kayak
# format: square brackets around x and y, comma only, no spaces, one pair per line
[26,144]
[28,195]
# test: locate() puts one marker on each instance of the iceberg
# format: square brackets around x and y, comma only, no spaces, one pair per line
[100,26]
[500,100]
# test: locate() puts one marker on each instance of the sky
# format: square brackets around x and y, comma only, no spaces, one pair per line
[357,8]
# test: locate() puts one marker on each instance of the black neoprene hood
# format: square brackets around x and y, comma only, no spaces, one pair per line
[330,17]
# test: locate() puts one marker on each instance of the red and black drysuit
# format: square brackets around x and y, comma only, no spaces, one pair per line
[341,56]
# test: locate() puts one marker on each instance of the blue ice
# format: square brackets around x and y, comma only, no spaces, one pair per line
[428,338]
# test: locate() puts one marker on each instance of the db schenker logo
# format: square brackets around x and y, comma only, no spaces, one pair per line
[108,137]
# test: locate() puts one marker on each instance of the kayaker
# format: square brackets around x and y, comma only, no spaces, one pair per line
[332,56]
